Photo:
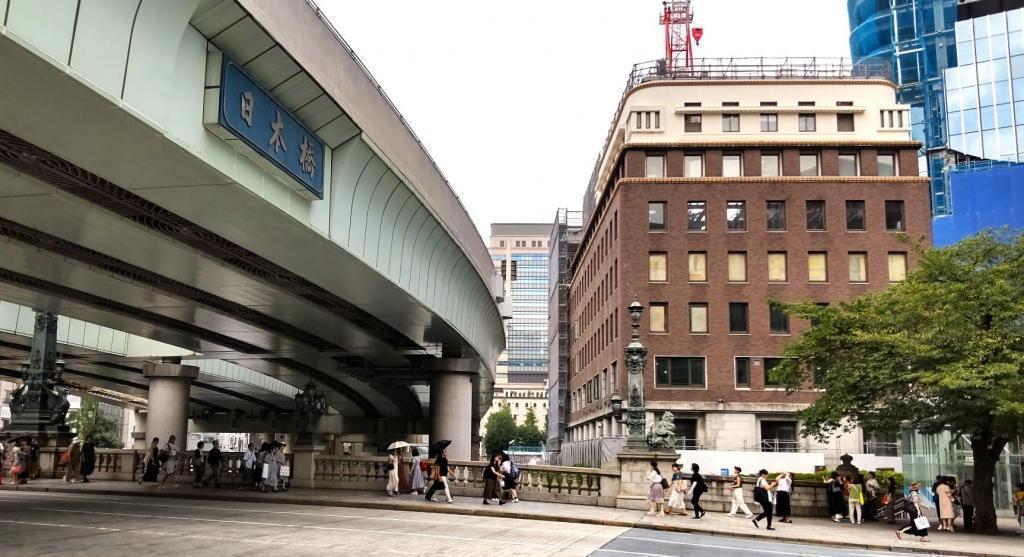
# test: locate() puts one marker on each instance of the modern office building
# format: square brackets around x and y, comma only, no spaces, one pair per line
[718,190]
[520,255]
[565,240]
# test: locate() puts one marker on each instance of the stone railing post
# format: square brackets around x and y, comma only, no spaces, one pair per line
[304,466]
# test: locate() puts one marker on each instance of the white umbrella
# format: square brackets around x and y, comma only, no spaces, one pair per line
[398,445]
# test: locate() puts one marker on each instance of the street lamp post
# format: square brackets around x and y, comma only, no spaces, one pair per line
[636,361]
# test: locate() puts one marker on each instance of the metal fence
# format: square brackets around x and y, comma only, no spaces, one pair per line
[761,68]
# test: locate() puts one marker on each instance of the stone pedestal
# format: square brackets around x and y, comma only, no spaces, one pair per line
[633,468]
[304,465]
[169,387]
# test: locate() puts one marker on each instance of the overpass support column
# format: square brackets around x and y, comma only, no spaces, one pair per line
[169,386]
[451,411]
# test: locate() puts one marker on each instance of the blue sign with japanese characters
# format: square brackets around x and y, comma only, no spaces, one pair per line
[251,114]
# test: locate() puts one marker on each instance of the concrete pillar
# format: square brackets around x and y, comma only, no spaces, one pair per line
[451,411]
[169,386]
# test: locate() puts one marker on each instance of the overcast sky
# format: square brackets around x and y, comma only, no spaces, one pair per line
[513,99]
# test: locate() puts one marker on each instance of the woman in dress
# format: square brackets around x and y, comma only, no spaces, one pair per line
[392,469]
[783,486]
[169,457]
[417,472]
[945,497]
[151,462]
[914,510]
[763,496]
[835,497]
[656,493]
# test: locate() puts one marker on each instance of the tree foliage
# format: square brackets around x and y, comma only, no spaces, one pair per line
[88,422]
[942,350]
[529,433]
[501,430]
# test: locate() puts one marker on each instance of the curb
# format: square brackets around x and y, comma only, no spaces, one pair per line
[494,513]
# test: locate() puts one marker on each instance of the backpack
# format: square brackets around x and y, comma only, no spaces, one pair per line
[513,470]
[164,456]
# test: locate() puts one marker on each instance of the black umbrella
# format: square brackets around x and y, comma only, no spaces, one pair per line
[439,446]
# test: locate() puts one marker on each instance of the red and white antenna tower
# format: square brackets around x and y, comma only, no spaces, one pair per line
[677,17]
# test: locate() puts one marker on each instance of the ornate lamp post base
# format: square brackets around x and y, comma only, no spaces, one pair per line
[40,405]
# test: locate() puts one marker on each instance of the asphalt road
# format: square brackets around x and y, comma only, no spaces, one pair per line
[651,543]
[109,526]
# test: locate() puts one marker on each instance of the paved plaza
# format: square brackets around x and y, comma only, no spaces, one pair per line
[78,517]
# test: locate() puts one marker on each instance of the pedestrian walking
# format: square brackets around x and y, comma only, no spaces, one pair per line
[935,499]
[492,481]
[214,463]
[783,488]
[19,461]
[169,459]
[392,469]
[510,473]
[3,459]
[1018,506]
[855,501]
[763,496]
[872,494]
[199,466]
[698,487]
[835,497]
[272,460]
[74,467]
[890,500]
[151,462]
[33,458]
[441,472]
[967,499]
[248,466]
[738,504]
[944,495]
[88,459]
[677,499]
[656,490]
[918,521]
[418,468]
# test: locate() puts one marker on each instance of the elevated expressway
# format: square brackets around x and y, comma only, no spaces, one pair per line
[125,205]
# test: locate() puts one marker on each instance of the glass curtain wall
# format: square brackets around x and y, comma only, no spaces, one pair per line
[528,329]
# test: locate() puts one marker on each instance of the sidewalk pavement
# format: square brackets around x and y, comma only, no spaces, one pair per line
[820,531]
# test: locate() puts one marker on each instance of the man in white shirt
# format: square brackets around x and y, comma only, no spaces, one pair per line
[248,465]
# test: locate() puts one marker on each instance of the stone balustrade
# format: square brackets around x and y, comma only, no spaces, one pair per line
[126,464]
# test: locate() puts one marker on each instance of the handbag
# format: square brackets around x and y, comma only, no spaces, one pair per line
[664,483]
[266,471]
[860,498]
[921,523]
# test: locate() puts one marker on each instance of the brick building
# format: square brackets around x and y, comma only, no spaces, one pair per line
[713,195]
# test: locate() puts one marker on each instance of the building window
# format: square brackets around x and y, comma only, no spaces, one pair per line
[897,267]
[658,317]
[738,266]
[844,122]
[858,267]
[776,266]
[656,215]
[886,164]
[691,122]
[894,216]
[698,266]
[817,266]
[679,371]
[736,215]
[769,122]
[739,318]
[693,166]
[732,166]
[730,122]
[769,365]
[816,215]
[806,122]
[501,243]
[699,318]
[769,165]
[855,218]
[655,166]
[848,164]
[809,164]
[743,372]
[657,267]
[778,320]
[647,120]
[775,215]
[696,213]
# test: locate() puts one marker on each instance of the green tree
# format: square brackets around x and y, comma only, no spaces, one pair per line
[942,350]
[87,422]
[501,430]
[529,433]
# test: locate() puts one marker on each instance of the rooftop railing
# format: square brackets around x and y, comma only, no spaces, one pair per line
[760,68]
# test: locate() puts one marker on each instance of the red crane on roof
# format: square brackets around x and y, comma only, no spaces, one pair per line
[677,17]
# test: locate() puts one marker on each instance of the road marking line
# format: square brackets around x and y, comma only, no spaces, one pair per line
[730,547]
[310,527]
[29,523]
[69,497]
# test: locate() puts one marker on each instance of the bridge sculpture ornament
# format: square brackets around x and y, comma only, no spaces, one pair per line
[663,434]
[310,406]
[636,361]
[39,407]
